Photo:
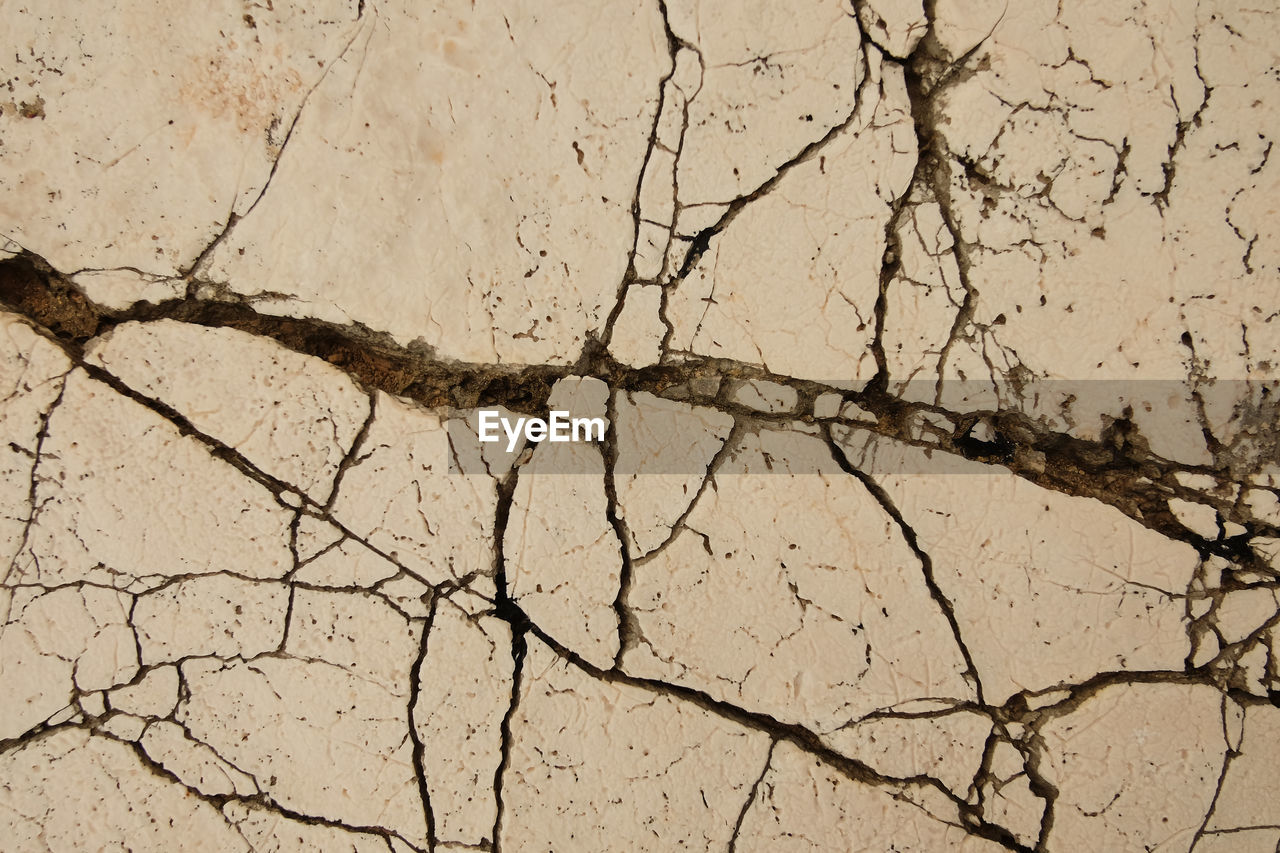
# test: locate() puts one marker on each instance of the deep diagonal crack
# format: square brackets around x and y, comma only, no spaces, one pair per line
[1113,469]
[799,736]
[217,801]
[926,562]
[229,455]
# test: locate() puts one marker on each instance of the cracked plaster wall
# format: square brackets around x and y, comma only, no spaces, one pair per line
[940,504]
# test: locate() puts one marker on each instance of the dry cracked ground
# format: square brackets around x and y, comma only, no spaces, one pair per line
[940,502]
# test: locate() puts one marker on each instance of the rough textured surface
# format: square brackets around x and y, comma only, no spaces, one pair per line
[937,344]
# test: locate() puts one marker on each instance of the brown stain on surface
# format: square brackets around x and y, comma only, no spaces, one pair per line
[234,86]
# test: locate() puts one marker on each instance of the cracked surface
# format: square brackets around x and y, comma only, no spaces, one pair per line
[939,506]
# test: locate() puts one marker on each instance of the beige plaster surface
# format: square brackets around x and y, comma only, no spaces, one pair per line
[938,506]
